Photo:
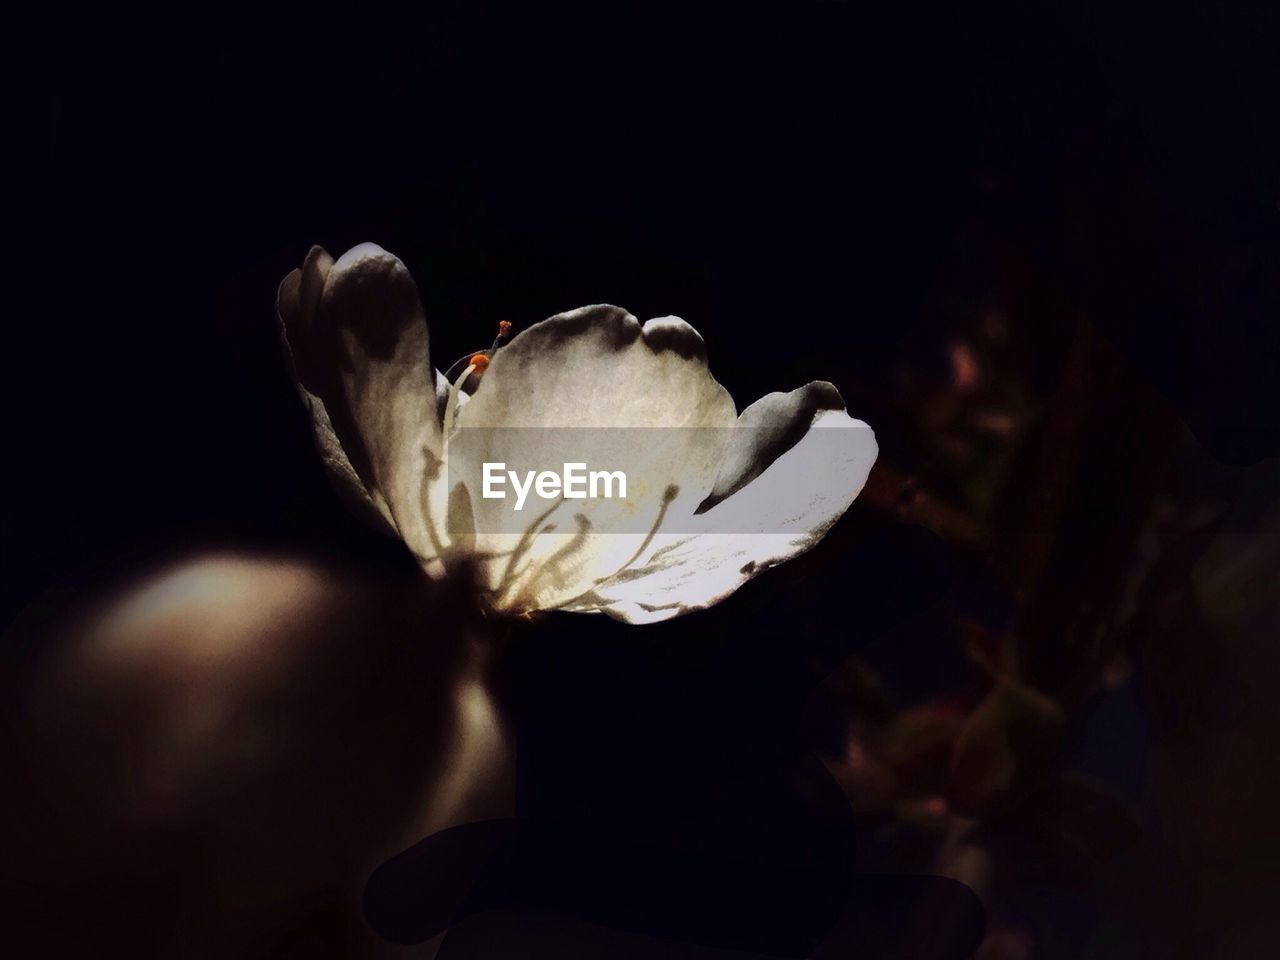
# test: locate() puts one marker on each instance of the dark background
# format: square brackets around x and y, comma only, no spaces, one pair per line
[825,191]
[790,180]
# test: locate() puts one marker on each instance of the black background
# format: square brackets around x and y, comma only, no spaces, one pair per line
[799,182]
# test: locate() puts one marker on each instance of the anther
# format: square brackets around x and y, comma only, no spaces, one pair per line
[477,361]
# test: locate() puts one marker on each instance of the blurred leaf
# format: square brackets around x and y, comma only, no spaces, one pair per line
[917,746]
[1007,749]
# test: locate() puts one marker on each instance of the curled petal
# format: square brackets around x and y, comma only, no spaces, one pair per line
[358,341]
[770,427]
[799,463]
[343,475]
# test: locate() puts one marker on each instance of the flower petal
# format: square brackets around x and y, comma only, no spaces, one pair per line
[569,389]
[350,487]
[599,367]
[358,341]
[798,464]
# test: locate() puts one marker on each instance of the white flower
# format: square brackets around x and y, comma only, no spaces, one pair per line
[716,497]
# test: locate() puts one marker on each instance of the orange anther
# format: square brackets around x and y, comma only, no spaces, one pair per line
[504,327]
[479,361]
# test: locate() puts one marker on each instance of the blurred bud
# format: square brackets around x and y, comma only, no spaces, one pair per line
[232,739]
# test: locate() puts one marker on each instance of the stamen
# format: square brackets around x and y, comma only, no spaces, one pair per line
[478,360]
